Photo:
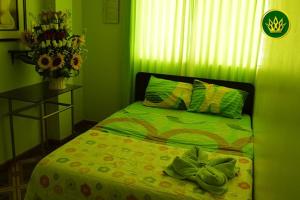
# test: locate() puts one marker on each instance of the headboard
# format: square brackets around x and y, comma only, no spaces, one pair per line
[142,79]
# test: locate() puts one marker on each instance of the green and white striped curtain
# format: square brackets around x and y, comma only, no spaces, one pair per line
[217,39]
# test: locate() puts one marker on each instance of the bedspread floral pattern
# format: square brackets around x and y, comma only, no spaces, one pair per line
[103,166]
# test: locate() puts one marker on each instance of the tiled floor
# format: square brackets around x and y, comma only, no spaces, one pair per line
[14,177]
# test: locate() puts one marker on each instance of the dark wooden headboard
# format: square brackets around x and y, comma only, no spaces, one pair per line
[142,79]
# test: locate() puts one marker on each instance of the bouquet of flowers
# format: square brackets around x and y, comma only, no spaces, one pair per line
[56,52]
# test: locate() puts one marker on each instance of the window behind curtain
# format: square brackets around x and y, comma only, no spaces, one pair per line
[207,38]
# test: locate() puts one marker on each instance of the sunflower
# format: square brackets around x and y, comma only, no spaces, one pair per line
[81,40]
[44,61]
[57,62]
[78,41]
[76,61]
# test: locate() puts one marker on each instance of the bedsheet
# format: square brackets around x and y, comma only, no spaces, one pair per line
[182,129]
[102,166]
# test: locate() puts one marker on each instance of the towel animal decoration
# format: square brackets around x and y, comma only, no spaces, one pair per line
[211,175]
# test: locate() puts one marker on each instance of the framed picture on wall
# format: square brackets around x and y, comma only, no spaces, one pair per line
[111,9]
[11,19]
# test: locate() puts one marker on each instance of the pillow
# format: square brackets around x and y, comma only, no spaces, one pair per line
[168,94]
[210,98]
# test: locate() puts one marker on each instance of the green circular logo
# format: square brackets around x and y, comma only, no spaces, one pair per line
[275,23]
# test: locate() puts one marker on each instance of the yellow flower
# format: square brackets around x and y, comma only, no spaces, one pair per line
[81,39]
[44,61]
[76,61]
[77,41]
[57,62]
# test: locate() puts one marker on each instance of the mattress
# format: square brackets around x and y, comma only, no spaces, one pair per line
[98,165]
[182,129]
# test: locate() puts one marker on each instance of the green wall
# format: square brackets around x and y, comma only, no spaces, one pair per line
[277,112]
[106,73]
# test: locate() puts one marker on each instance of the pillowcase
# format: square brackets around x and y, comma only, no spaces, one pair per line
[168,94]
[210,98]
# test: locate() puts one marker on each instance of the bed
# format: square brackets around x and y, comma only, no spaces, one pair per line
[123,157]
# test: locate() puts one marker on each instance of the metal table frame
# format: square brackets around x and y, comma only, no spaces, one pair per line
[43,115]
[42,118]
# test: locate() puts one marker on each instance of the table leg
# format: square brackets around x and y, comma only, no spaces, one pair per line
[13,146]
[45,125]
[12,134]
[72,111]
[42,128]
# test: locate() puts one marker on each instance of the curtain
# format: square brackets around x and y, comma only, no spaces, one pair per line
[217,39]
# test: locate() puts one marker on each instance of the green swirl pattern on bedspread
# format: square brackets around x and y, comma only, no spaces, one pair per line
[104,166]
[183,129]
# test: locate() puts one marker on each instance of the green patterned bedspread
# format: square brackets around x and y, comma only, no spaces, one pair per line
[102,166]
[183,129]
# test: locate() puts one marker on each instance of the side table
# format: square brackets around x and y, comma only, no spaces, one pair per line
[38,95]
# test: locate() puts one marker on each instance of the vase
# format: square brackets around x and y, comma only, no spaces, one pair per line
[57,83]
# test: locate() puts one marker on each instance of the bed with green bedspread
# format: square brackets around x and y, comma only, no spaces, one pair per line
[99,165]
[182,129]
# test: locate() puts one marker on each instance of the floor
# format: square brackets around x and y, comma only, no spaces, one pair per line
[14,177]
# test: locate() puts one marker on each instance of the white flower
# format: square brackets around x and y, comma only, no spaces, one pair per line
[64,42]
[60,44]
[54,43]
[44,27]
[43,44]
[69,43]
[48,43]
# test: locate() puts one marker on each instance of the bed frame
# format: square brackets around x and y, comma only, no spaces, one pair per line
[142,79]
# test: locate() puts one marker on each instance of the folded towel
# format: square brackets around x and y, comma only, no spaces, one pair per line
[210,175]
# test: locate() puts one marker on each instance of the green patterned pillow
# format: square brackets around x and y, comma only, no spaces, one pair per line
[168,94]
[210,98]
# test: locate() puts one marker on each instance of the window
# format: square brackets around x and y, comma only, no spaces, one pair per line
[207,38]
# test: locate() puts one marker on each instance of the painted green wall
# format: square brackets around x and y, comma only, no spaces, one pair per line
[106,72]
[277,112]
[78,29]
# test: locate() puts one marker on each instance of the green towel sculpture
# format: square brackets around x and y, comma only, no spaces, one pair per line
[210,175]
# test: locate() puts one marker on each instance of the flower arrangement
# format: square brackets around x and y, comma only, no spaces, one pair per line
[56,52]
